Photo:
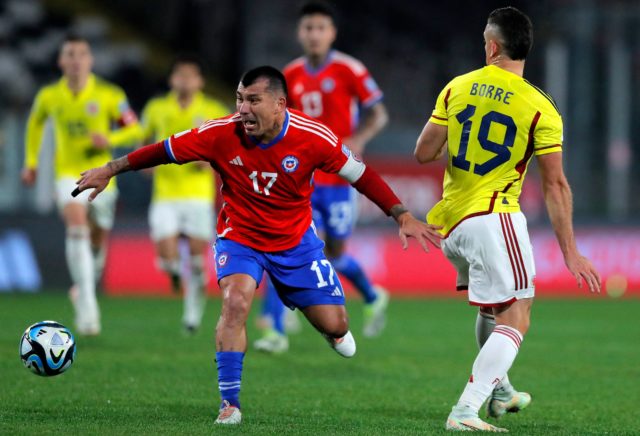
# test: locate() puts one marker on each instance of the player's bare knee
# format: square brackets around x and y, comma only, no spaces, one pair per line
[337,327]
[235,308]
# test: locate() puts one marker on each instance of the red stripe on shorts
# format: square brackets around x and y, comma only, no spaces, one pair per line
[519,253]
[508,244]
[513,241]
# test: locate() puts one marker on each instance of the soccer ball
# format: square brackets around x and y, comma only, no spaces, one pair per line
[47,348]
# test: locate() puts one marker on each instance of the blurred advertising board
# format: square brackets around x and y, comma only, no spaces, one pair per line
[615,252]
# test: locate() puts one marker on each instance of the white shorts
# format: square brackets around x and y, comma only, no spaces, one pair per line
[192,218]
[101,210]
[493,257]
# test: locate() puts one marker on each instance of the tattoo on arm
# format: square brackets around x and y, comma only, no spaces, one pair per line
[118,166]
[398,210]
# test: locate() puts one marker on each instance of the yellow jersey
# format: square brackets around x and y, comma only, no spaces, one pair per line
[161,118]
[98,108]
[496,121]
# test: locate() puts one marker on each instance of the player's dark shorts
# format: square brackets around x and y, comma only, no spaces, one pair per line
[334,210]
[302,275]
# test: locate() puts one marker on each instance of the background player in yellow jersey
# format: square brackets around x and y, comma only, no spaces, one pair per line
[494,121]
[83,109]
[183,195]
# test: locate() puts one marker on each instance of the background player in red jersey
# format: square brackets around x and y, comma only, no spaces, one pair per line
[266,155]
[336,89]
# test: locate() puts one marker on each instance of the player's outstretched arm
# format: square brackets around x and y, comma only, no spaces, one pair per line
[371,185]
[98,178]
[558,198]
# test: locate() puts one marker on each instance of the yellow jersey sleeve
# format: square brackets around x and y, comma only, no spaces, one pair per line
[130,131]
[149,122]
[547,137]
[439,114]
[35,129]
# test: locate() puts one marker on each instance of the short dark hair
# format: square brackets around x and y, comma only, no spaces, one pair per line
[188,59]
[317,8]
[74,37]
[516,31]
[276,79]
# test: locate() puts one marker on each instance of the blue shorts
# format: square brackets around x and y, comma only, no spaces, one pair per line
[334,210]
[302,275]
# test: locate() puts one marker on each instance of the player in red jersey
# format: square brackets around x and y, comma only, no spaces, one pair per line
[335,89]
[266,156]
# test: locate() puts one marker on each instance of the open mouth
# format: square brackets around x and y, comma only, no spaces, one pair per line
[249,124]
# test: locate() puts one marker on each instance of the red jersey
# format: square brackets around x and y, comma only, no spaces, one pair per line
[266,188]
[333,94]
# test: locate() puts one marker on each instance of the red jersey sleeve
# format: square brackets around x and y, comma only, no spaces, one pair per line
[332,158]
[192,145]
[366,88]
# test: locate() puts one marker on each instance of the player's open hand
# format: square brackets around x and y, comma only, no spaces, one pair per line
[425,233]
[97,178]
[581,268]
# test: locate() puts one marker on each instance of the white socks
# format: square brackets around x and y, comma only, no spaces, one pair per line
[194,297]
[99,257]
[171,267]
[81,268]
[493,361]
[485,324]
[344,346]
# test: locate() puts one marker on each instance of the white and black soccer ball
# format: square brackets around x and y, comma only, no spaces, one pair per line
[47,348]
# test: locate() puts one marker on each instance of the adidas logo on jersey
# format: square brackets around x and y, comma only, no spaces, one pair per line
[236,161]
[336,292]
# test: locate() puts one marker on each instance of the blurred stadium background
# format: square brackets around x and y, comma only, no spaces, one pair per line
[586,54]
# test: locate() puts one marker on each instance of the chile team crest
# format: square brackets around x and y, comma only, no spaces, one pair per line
[222,259]
[290,164]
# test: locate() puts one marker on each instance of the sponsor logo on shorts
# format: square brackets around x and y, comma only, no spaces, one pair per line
[290,164]
[222,259]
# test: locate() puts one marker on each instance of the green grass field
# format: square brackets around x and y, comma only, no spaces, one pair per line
[580,361]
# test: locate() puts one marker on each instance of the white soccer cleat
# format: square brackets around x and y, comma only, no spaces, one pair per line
[375,314]
[344,346]
[462,420]
[497,407]
[272,342]
[229,415]
[88,329]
